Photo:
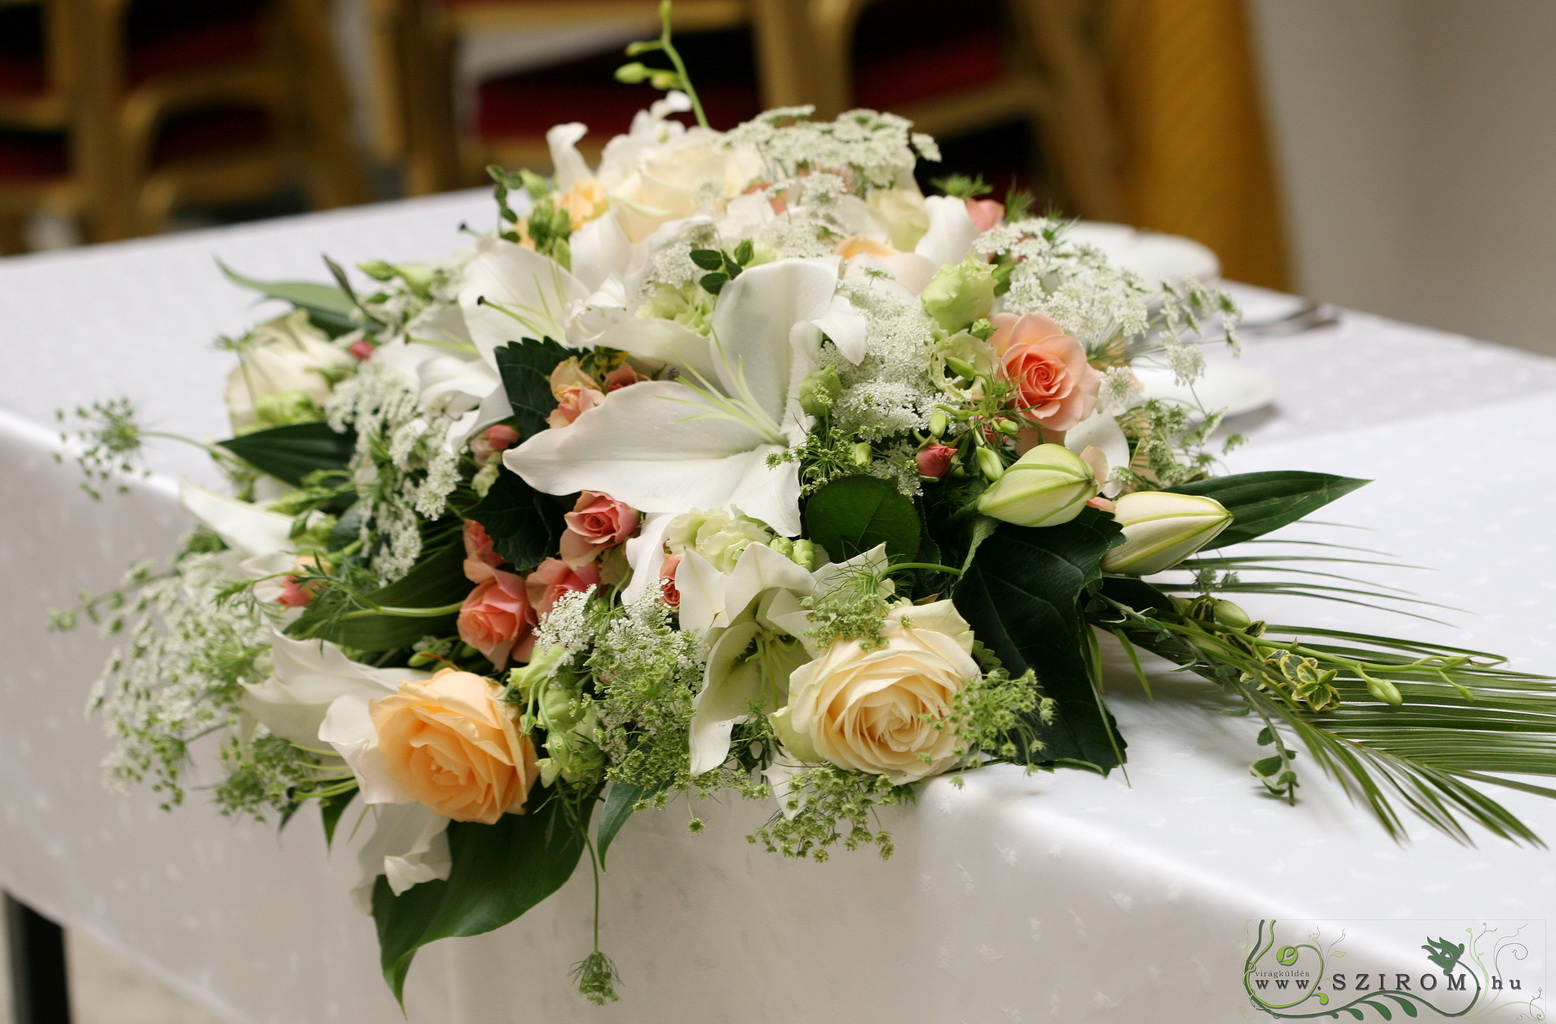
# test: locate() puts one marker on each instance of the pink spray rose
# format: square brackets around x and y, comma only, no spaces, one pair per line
[492,441]
[622,376]
[935,460]
[575,392]
[498,620]
[480,559]
[985,213]
[553,578]
[596,524]
[667,587]
[1056,386]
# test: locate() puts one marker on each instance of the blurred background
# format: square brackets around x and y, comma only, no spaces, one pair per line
[1392,155]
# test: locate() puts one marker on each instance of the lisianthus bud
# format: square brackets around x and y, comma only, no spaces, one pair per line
[989,464]
[960,293]
[819,390]
[1047,486]
[1161,529]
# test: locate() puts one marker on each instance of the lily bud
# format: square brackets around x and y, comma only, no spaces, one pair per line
[1047,486]
[1161,529]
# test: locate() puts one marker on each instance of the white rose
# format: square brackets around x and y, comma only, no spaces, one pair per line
[877,710]
[681,176]
[287,357]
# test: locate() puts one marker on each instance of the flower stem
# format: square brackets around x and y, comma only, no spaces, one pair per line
[680,65]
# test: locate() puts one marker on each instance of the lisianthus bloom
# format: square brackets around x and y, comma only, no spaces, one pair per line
[1056,387]
[451,744]
[498,619]
[596,524]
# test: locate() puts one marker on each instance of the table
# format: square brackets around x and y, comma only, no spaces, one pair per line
[1062,898]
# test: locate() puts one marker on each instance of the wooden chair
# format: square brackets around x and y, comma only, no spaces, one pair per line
[144,106]
[1042,66]
[416,45]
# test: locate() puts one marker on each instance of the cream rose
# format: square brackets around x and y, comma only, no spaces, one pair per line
[677,178]
[282,365]
[877,710]
[448,743]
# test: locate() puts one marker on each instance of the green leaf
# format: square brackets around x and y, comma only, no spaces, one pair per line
[1261,502]
[499,872]
[328,307]
[330,810]
[291,452]
[526,368]
[437,580]
[708,259]
[852,515]
[620,800]
[713,283]
[525,524]
[1023,596]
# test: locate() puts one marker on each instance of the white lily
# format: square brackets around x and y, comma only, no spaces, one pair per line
[261,538]
[307,676]
[409,845]
[754,622]
[703,440]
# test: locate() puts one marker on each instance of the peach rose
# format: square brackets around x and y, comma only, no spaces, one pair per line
[554,578]
[498,619]
[596,524]
[1057,387]
[450,744]
[622,376]
[575,392]
[875,710]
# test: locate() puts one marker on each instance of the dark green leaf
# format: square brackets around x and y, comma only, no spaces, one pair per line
[291,452]
[1023,596]
[437,580]
[328,307]
[348,528]
[1261,502]
[852,515]
[330,810]
[526,368]
[499,872]
[713,283]
[708,259]
[620,800]
[525,525]
[1268,765]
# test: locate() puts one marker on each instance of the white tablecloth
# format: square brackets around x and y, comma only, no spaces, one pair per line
[1063,898]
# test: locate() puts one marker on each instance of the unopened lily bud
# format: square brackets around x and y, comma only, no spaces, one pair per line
[1161,529]
[990,465]
[1047,486]
[1229,614]
[1385,691]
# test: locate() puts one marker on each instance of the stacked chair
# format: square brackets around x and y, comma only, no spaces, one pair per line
[118,111]
[1031,63]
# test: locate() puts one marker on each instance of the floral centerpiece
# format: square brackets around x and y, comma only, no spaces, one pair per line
[735,463]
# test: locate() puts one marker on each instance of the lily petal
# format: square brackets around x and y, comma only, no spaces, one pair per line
[951,231]
[308,676]
[533,291]
[409,845]
[247,529]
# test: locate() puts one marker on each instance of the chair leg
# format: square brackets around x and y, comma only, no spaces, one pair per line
[39,990]
[13,232]
[337,176]
[1079,128]
[427,67]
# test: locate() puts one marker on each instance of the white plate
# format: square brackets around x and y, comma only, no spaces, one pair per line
[1155,257]
[1230,386]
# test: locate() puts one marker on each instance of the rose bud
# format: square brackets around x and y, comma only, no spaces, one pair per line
[935,460]
[1047,486]
[1161,529]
